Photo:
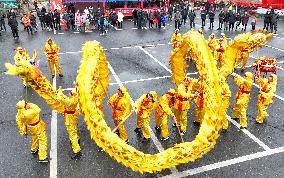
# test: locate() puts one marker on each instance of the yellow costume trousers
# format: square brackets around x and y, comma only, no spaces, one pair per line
[71,123]
[219,63]
[181,116]
[162,121]
[199,114]
[261,112]
[240,111]
[245,60]
[145,124]
[122,131]
[225,106]
[39,139]
[53,62]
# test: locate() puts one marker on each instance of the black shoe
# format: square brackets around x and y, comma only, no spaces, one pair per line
[34,152]
[43,161]
[174,125]
[242,70]
[137,130]
[196,123]
[182,133]
[127,141]
[52,76]
[76,155]
[242,127]
[157,128]
[60,75]
[145,140]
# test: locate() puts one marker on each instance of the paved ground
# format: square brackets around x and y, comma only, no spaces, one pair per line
[255,152]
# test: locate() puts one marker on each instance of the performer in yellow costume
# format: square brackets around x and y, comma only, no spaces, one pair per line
[242,97]
[224,39]
[145,105]
[120,103]
[71,113]
[226,94]
[51,51]
[176,39]
[200,106]
[28,119]
[220,55]
[20,56]
[182,103]
[265,97]
[163,110]
[212,43]
[243,57]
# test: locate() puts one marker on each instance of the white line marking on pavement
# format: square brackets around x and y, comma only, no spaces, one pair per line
[141,80]
[153,136]
[151,56]
[250,135]
[73,52]
[53,139]
[160,44]
[226,163]
[127,47]
[275,48]
[76,32]
[134,28]
[114,48]
[60,33]
[279,37]
[278,67]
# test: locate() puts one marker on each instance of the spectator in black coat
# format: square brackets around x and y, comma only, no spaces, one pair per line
[203,18]
[221,19]
[226,20]
[211,18]
[57,20]
[245,19]
[12,22]
[267,20]
[191,16]
[171,10]
[2,21]
[134,16]
[232,20]
[274,20]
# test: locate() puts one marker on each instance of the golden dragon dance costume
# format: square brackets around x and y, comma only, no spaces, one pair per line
[145,108]
[163,110]
[71,113]
[182,104]
[265,97]
[28,119]
[226,95]
[120,110]
[51,52]
[242,98]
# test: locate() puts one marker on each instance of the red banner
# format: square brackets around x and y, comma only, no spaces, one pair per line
[128,11]
[56,4]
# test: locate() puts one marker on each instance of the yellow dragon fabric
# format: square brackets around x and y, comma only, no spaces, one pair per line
[92,83]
